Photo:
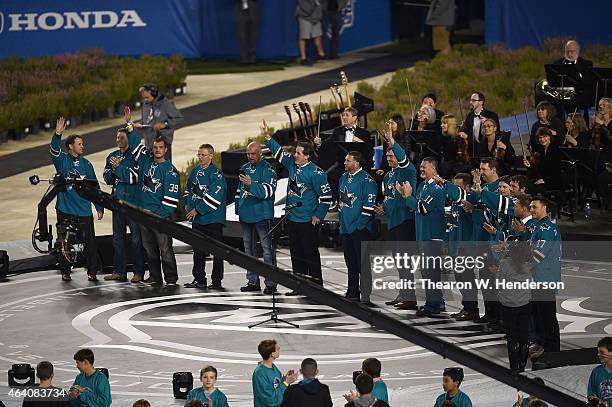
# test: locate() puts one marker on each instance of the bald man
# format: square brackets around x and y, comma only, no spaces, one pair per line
[254,205]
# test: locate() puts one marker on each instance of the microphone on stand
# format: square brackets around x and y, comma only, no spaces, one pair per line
[287,209]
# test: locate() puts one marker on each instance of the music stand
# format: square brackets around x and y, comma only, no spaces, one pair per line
[425,143]
[364,105]
[603,75]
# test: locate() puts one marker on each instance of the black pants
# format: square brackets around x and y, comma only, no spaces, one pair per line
[304,248]
[490,294]
[158,245]
[544,307]
[404,232]
[247,22]
[516,324]
[215,231]
[359,280]
[469,296]
[86,235]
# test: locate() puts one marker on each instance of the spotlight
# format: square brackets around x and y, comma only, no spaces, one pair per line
[20,372]
[182,383]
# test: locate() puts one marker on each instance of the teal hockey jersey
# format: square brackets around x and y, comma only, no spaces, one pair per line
[206,193]
[428,203]
[357,197]
[396,212]
[256,203]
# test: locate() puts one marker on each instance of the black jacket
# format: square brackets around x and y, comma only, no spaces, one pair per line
[312,394]
[583,66]
[340,132]
[549,168]
[469,126]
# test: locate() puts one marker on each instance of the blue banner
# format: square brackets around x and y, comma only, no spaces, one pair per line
[521,23]
[192,28]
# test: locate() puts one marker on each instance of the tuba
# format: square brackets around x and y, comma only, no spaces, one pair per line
[543,88]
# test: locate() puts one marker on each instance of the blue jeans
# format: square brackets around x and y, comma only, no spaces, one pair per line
[120,221]
[250,233]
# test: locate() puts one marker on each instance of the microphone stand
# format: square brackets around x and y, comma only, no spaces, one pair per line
[274,314]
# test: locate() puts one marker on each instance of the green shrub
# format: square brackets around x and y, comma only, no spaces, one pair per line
[76,84]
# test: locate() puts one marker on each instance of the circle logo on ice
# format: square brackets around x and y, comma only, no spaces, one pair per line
[187,326]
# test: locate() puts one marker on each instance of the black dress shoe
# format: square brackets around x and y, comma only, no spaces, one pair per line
[484,319]
[467,316]
[393,302]
[424,312]
[195,284]
[270,290]
[407,305]
[369,304]
[456,314]
[171,285]
[215,286]
[250,287]
[292,293]
[155,283]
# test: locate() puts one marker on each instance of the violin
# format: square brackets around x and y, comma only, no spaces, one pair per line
[535,158]
[499,153]
[596,139]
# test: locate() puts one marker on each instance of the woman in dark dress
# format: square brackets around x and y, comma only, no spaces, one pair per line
[546,118]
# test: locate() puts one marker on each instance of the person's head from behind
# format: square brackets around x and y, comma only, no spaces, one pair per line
[208,377]
[141,403]
[269,349]
[364,384]
[309,368]
[75,145]
[194,403]
[371,367]
[84,360]
[44,371]
[604,350]
[159,148]
[451,379]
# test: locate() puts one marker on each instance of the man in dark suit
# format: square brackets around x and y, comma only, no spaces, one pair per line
[349,132]
[247,22]
[583,66]
[472,125]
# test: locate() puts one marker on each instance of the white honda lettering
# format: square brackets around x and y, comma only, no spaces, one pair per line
[77,20]
[28,20]
[131,17]
[50,21]
[111,21]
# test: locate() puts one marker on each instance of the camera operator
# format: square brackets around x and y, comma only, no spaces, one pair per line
[71,208]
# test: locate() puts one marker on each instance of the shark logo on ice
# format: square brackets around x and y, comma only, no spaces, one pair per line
[71,20]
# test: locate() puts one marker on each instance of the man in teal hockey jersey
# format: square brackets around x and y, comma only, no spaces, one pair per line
[119,172]
[428,204]
[309,194]
[205,205]
[70,206]
[254,205]
[357,197]
[158,194]
[400,218]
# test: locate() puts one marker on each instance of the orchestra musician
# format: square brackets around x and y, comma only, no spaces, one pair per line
[455,148]
[545,175]
[473,121]
[572,57]
[578,134]
[496,145]
[546,113]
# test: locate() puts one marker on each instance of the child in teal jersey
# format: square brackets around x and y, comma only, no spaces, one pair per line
[451,380]
[208,394]
[269,384]
[600,381]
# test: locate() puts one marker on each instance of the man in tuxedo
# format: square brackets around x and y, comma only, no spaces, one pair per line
[583,66]
[349,132]
[472,125]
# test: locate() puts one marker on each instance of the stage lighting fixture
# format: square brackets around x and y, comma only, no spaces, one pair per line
[182,383]
[103,370]
[21,374]
[4,263]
